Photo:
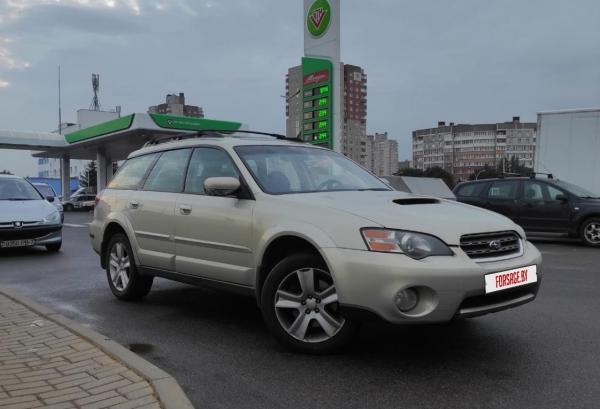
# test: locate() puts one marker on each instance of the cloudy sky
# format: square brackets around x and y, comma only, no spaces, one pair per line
[426,60]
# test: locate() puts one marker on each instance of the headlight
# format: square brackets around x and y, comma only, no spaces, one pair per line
[52,218]
[415,245]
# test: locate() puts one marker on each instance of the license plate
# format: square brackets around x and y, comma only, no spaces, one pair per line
[510,278]
[16,243]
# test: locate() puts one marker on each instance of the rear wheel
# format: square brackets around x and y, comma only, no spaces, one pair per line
[123,278]
[69,207]
[300,306]
[590,232]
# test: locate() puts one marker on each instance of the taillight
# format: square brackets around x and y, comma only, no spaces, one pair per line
[97,199]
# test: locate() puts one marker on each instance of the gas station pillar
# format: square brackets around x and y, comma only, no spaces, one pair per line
[104,170]
[65,177]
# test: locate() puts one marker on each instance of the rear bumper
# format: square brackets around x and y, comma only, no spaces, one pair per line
[448,287]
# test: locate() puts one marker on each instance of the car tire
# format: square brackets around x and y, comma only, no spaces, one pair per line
[590,232]
[54,247]
[69,207]
[121,271]
[304,315]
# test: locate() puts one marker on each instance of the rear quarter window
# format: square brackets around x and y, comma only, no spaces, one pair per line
[132,173]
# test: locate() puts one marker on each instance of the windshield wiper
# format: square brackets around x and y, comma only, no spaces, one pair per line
[16,199]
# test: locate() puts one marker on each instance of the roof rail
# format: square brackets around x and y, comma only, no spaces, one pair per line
[532,175]
[212,133]
[504,174]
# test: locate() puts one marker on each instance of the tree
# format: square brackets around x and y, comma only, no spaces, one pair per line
[434,172]
[507,166]
[88,179]
[6,172]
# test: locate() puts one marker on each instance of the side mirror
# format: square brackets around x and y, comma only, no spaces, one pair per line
[221,186]
[562,197]
[50,199]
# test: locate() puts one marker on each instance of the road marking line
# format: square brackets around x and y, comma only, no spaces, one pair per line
[74,225]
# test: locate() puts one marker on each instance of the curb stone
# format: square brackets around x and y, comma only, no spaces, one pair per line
[168,391]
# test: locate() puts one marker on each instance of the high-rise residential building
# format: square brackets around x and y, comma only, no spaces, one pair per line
[175,105]
[385,154]
[354,107]
[462,149]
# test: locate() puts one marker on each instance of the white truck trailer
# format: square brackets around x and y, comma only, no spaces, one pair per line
[568,146]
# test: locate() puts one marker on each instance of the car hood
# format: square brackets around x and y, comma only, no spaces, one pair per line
[24,210]
[445,219]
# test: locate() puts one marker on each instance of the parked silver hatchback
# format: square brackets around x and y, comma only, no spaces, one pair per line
[319,242]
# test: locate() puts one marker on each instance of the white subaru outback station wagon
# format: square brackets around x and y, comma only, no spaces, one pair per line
[320,242]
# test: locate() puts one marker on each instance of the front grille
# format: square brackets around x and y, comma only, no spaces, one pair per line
[27,233]
[491,245]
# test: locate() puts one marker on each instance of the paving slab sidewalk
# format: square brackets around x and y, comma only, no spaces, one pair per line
[48,361]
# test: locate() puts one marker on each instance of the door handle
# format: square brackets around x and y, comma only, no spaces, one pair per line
[185,209]
[134,204]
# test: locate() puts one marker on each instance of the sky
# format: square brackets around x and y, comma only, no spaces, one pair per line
[462,61]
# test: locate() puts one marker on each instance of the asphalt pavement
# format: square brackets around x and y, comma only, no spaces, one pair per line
[545,354]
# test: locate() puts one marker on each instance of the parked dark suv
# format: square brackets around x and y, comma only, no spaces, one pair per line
[539,205]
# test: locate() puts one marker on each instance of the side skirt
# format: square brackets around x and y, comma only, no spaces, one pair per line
[198,281]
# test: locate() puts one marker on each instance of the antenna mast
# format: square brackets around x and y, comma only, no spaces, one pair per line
[95,105]
[59,106]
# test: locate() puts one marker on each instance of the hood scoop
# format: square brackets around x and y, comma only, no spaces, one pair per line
[416,201]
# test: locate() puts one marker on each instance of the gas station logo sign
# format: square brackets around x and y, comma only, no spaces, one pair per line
[316,77]
[319,16]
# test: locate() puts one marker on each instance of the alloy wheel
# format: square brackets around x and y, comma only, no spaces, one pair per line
[119,266]
[592,232]
[306,305]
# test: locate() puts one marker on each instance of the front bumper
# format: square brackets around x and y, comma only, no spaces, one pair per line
[449,287]
[41,235]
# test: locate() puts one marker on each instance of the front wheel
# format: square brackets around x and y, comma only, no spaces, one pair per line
[123,278]
[590,232]
[300,306]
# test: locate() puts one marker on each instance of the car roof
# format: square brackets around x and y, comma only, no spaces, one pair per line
[228,141]
[10,177]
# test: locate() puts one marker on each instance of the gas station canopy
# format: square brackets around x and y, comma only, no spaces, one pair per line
[119,137]
[109,141]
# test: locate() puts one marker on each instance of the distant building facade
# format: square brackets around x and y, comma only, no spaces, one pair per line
[464,148]
[175,105]
[385,155]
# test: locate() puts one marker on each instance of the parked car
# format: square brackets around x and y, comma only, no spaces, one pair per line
[79,202]
[318,241]
[47,191]
[538,205]
[26,217]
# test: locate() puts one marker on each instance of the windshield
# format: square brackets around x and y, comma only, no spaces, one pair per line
[17,189]
[301,169]
[576,190]
[45,190]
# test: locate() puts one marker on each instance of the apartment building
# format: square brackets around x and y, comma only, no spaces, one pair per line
[462,149]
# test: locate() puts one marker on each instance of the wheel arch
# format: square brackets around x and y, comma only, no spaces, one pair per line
[112,228]
[278,248]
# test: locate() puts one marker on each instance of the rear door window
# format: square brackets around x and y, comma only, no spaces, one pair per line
[168,175]
[471,190]
[503,190]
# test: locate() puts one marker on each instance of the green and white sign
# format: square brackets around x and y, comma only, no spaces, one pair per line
[317,101]
[318,18]
[322,115]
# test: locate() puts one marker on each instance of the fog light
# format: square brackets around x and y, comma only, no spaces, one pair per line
[406,299]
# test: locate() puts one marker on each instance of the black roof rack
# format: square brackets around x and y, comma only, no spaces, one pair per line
[212,133]
[532,175]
